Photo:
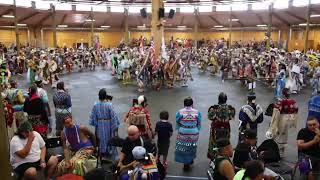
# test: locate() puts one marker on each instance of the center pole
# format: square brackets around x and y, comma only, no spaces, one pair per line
[92,26]
[230,26]
[16,27]
[157,25]
[54,26]
[269,27]
[307,28]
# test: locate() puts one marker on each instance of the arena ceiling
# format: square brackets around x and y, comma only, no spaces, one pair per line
[212,14]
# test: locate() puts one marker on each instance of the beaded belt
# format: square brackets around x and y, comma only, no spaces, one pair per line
[104,119]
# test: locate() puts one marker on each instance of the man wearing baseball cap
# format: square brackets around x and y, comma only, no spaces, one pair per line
[246,150]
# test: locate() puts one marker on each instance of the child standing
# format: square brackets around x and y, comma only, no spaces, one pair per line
[164,131]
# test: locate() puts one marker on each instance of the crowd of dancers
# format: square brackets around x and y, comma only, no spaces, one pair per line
[137,64]
[286,72]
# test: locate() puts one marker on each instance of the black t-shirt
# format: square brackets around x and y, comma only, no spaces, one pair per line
[164,131]
[307,135]
[129,145]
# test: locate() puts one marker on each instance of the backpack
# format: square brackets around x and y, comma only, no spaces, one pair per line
[271,151]
[269,110]
[138,118]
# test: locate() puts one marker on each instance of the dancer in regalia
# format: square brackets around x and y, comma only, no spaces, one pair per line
[284,117]
[32,69]
[188,125]
[280,84]
[316,81]
[250,116]
[314,101]
[125,67]
[220,114]
[114,59]
[170,71]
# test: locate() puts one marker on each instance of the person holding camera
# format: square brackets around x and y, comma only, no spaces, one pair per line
[126,159]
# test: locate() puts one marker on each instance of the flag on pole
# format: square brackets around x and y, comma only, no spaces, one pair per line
[153,57]
[163,49]
[141,46]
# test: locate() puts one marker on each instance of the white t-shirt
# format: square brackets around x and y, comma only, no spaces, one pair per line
[17,144]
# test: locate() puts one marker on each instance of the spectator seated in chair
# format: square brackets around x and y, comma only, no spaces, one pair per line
[308,142]
[126,159]
[28,152]
[246,150]
[78,144]
[223,168]
[145,166]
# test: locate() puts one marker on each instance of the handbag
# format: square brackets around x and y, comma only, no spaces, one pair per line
[89,163]
[269,110]
[112,154]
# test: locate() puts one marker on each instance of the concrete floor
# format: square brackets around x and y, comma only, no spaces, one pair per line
[204,90]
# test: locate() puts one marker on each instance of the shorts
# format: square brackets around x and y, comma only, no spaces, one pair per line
[163,148]
[315,161]
[59,120]
[23,167]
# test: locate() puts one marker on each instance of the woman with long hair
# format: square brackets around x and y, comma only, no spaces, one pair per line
[104,118]
[188,124]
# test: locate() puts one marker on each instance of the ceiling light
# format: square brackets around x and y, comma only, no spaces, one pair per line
[305,24]
[261,25]
[218,26]
[105,26]
[21,25]
[8,16]
[141,27]
[312,15]
[89,20]
[62,26]
[182,27]
[234,20]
